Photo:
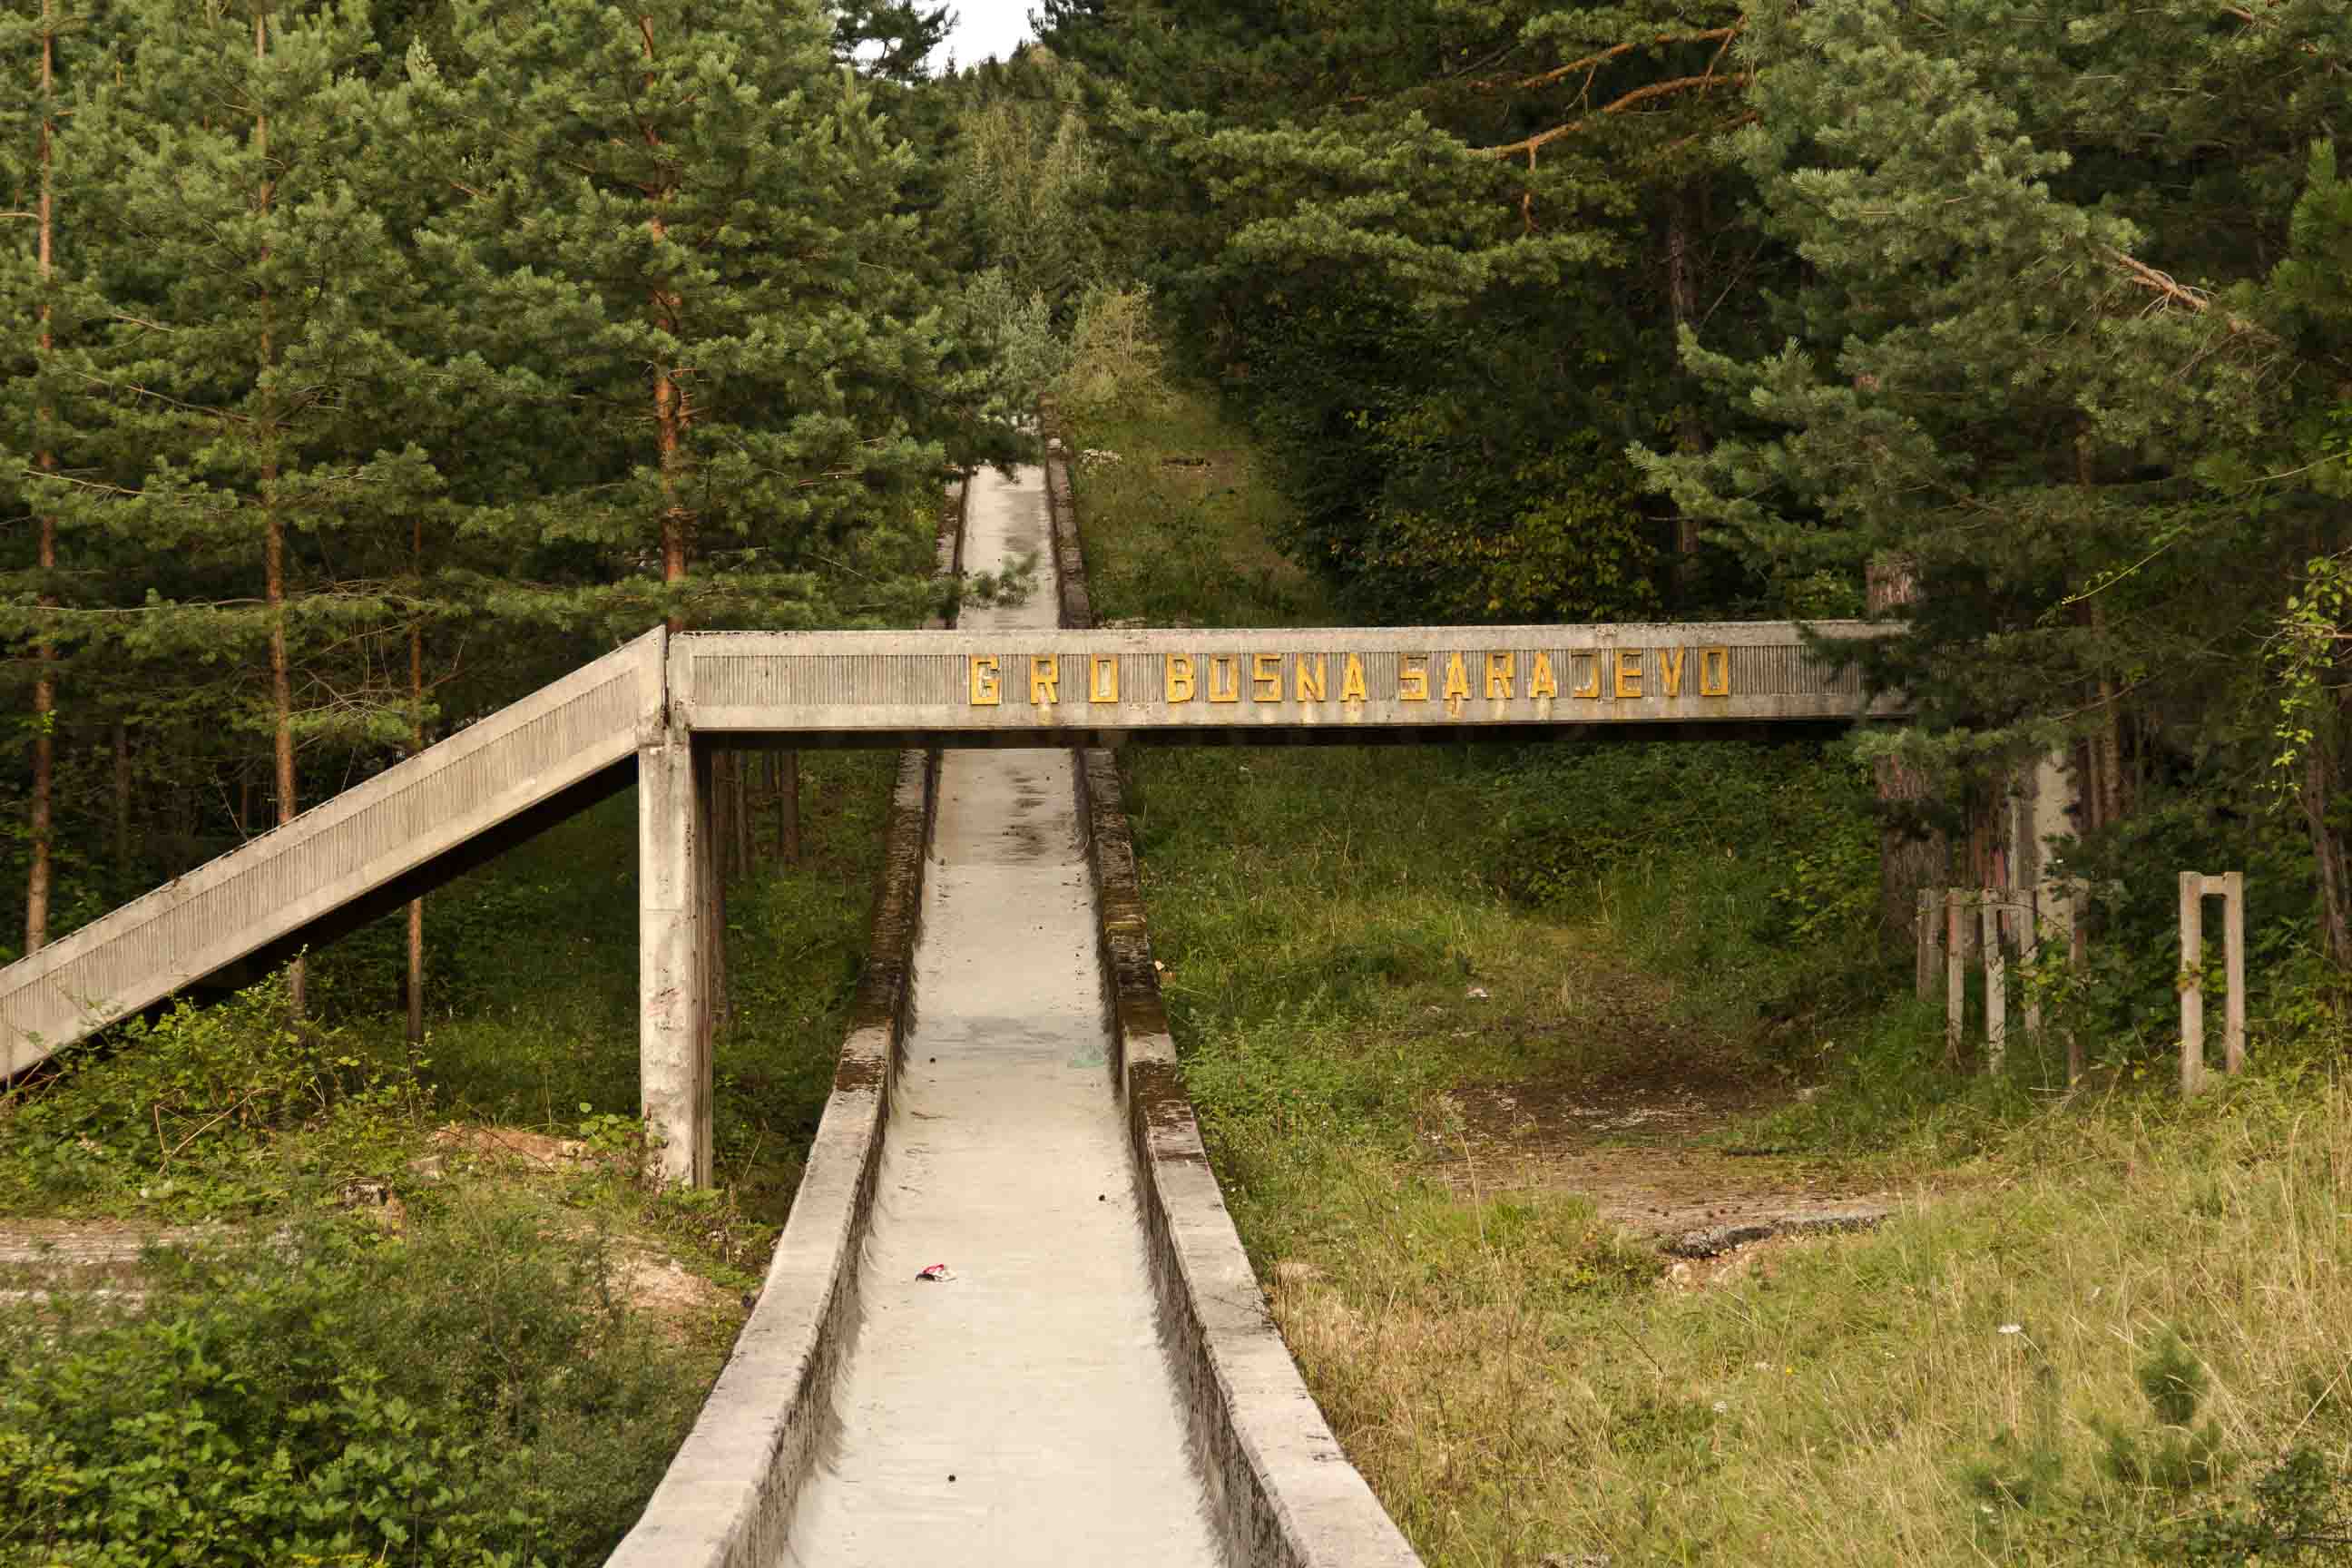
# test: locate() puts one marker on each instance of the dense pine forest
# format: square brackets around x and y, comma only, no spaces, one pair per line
[370,367]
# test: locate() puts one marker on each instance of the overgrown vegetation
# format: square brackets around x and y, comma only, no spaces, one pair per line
[2098,1328]
[420,1306]
[477,1390]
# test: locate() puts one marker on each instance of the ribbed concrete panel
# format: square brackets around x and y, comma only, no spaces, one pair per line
[339,850]
[1111,681]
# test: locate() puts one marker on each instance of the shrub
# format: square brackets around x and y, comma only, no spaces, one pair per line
[198,1087]
[474,1395]
[1113,369]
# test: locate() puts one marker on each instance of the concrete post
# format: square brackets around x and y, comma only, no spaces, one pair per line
[2192,985]
[1996,970]
[673,970]
[1956,978]
[2232,890]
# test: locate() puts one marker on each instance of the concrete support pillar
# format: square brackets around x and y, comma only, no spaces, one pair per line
[673,961]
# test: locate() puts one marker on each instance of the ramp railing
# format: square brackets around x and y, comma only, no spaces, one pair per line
[391,827]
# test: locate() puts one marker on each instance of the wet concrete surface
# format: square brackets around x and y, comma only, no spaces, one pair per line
[1022,1411]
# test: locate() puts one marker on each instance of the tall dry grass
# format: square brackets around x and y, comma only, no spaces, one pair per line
[1948,1390]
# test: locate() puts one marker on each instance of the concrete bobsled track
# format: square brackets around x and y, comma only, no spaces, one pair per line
[1098,1382]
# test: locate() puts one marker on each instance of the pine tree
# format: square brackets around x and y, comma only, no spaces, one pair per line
[252,369]
[1441,253]
[2022,367]
[46,306]
[691,211]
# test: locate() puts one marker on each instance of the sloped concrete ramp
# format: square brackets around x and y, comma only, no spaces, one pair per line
[366,851]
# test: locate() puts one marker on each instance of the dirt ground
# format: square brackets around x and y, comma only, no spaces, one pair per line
[39,1258]
[1652,1148]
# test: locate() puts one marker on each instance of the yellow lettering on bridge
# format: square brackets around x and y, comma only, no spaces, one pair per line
[1597,674]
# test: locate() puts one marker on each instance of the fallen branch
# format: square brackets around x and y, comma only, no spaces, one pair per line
[238,1105]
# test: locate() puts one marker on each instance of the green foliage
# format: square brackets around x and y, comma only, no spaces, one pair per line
[2021,1471]
[2301,1511]
[327,1397]
[1461,533]
[1183,509]
[1423,498]
[1982,1377]
[2125,992]
[185,1110]
[2173,1380]
[1029,355]
[1443,338]
[2033,365]
[1114,365]
[1576,812]
[1023,185]
[352,330]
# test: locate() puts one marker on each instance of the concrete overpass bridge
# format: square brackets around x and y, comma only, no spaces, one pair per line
[1103,1384]
[652,712]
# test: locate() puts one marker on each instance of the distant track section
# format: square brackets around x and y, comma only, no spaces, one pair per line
[1018,1408]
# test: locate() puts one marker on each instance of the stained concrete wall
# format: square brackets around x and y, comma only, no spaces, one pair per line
[726,1499]
[1021,1413]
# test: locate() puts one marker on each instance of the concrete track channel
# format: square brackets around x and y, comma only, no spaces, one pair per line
[1023,1410]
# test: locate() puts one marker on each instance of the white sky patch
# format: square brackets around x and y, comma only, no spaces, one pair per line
[985,28]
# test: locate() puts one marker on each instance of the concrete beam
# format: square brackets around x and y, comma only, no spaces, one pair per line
[1045,687]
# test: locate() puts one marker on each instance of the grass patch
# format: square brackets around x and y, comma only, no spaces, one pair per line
[1194,515]
[1981,1380]
[1353,938]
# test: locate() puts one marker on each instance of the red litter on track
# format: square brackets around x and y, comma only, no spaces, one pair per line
[936,1274]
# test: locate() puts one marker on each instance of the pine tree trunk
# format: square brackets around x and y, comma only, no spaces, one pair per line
[281,697]
[122,796]
[1690,434]
[2316,796]
[416,745]
[38,871]
[739,813]
[1907,861]
[788,807]
[38,825]
[2106,741]
[671,416]
[273,545]
[668,444]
